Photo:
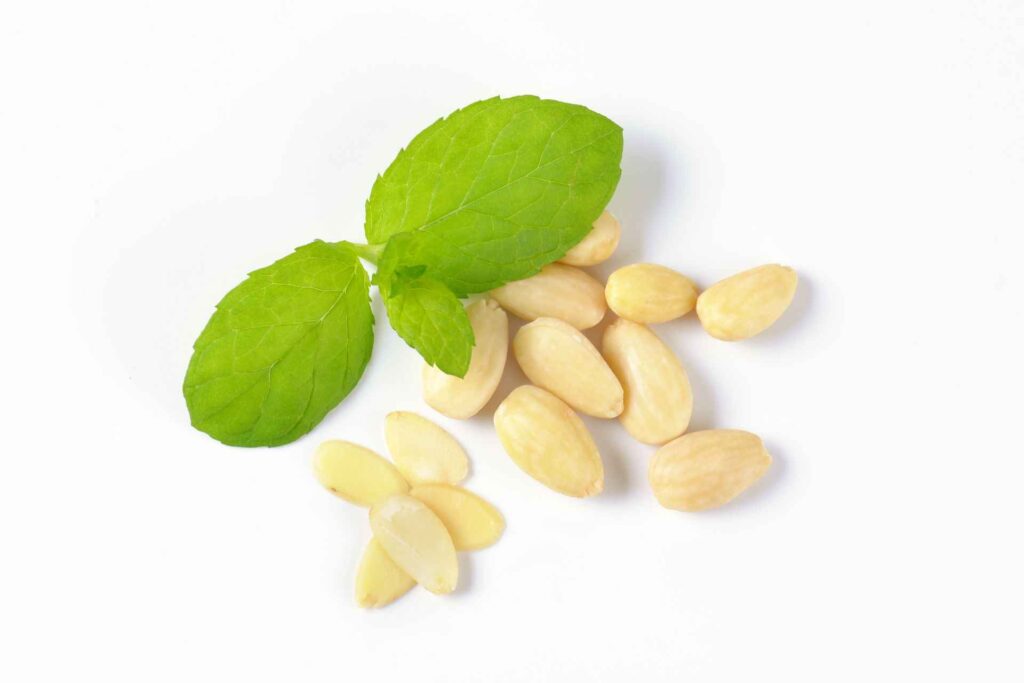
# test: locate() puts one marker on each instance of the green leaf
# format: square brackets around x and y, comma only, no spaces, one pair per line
[429,317]
[282,349]
[493,192]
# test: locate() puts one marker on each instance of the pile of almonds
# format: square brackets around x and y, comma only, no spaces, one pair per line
[635,377]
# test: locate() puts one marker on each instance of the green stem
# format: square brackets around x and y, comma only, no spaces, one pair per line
[367,252]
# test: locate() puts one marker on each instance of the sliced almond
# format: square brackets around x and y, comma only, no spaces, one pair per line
[557,291]
[557,357]
[417,540]
[598,245]
[424,452]
[747,303]
[649,293]
[658,398]
[355,473]
[379,581]
[549,442]
[472,522]
[706,469]
[463,397]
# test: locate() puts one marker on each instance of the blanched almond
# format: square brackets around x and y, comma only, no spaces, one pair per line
[706,469]
[658,399]
[649,293]
[424,452]
[557,291]
[598,245]
[472,522]
[355,473]
[747,303]
[548,441]
[379,581]
[418,542]
[460,398]
[557,357]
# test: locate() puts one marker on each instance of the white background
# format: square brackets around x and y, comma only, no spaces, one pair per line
[152,153]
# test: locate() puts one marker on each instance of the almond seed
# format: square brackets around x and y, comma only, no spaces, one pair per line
[658,399]
[557,357]
[598,245]
[461,398]
[549,442]
[472,522]
[379,581]
[424,452]
[706,469]
[557,291]
[355,473]
[649,293]
[417,540]
[748,303]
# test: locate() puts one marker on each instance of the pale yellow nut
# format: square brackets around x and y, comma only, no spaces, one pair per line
[658,399]
[417,540]
[557,291]
[463,397]
[598,245]
[747,303]
[557,357]
[472,522]
[355,473]
[424,452]
[379,581]
[649,293]
[703,470]
[549,442]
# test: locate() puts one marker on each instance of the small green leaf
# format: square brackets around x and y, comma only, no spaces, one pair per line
[493,192]
[429,317]
[282,349]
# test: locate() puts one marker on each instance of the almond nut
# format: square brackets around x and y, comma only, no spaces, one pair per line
[417,540]
[747,303]
[557,291]
[549,442]
[472,522]
[460,398]
[423,452]
[379,581]
[706,469]
[658,399]
[649,293]
[355,473]
[557,357]
[598,245]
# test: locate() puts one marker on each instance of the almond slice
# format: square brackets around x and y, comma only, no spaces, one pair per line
[472,522]
[417,540]
[355,473]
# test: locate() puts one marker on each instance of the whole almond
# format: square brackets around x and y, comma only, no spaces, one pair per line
[461,398]
[703,470]
[424,452]
[557,291]
[472,522]
[658,399]
[649,293]
[747,303]
[416,539]
[549,442]
[355,473]
[379,581]
[598,245]
[557,357]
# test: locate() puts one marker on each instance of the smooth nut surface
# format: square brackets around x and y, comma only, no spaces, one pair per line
[417,540]
[649,293]
[355,473]
[556,356]
[747,303]
[472,522]
[424,452]
[658,398]
[598,245]
[706,469]
[463,397]
[549,442]
[379,581]
[557,291]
